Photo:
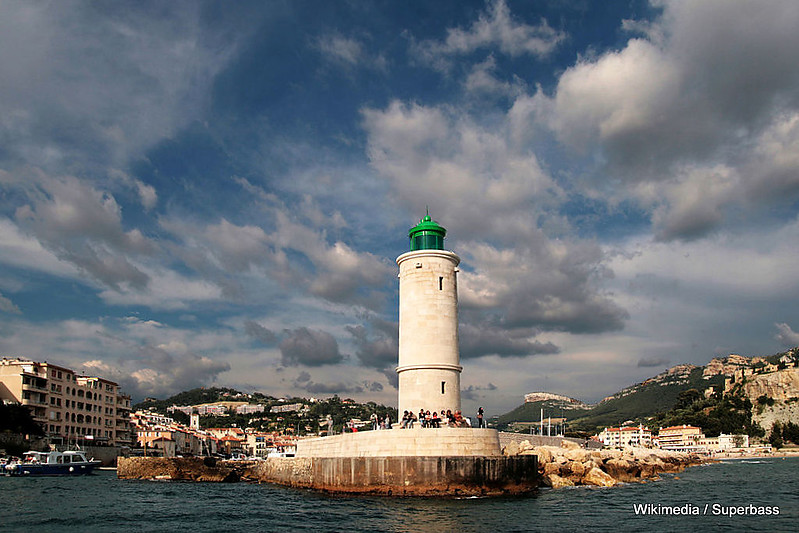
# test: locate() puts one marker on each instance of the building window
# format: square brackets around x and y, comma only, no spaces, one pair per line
[440,283]
[443,385]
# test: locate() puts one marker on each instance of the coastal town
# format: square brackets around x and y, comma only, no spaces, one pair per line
[75,409]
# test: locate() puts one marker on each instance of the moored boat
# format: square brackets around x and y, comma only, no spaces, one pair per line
[68,463]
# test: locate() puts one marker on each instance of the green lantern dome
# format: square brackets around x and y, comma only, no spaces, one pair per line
[427,235]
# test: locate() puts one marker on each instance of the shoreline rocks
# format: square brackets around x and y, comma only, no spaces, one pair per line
[570,465]
[183,469]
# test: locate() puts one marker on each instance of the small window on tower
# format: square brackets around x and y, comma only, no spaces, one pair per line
[443,384]
[440,283]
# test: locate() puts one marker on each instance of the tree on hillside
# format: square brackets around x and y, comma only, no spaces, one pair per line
[790,432]
[686,398]
[775,439]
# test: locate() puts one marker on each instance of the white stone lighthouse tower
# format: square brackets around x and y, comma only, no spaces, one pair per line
[429,360]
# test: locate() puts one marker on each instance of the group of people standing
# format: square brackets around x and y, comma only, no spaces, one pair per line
[379,422]
[427,419]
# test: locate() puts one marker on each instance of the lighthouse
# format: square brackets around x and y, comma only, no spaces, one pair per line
[429,360]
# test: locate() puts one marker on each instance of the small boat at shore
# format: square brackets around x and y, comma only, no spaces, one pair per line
[68,463]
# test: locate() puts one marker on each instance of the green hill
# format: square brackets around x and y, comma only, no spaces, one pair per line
[644,400]
[200,396]
[637,403]
[530,412]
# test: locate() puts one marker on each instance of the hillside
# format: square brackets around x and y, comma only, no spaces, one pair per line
[555,406]
[200,396]
[300,415]
[643,400]
[773,377]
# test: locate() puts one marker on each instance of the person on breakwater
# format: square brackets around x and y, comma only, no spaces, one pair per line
[480,422]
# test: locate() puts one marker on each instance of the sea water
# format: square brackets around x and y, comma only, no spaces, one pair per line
[740,495]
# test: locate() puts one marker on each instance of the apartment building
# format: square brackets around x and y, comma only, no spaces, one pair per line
[681,438]
[621,437]
[71,407]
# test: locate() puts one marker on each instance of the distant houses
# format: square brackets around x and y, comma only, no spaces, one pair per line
[683,438]
[163,436]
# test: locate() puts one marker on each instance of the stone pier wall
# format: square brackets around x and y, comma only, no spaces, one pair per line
[396,476]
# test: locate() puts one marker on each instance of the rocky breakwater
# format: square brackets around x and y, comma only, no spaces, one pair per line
[569,464]
[184,469]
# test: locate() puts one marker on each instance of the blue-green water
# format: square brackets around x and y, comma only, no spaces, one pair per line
[103,503]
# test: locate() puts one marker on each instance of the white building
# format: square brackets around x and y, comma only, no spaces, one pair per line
[71,407]
[621,437]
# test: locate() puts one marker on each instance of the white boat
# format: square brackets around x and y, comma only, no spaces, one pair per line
[69,463]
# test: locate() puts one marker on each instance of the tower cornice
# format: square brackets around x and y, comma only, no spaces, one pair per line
[444,254]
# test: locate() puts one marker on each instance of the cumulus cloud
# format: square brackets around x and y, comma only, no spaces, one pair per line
[341,48]
[693,131]
[477,340]
[259,333]
[7,306]
[24,251]
[652,362]
[495,28]
[459,164]
[331,388]
[377,343]
[159,373]
[107,81]
[294,251]
[149,358]
[473,392]
[82,225]
[309,347]
[236,247]
[786,336]
[482,81]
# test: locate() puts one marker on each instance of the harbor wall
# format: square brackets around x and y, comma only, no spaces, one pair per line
[506,438]
[390,476]
[405,476]
[413,442]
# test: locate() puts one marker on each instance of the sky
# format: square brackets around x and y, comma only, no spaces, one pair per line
[214,193]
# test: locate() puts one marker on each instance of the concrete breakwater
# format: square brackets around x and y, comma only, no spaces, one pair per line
[569,464]
[395,476]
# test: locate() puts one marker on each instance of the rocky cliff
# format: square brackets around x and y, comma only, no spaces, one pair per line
[728,365]
[781,385]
